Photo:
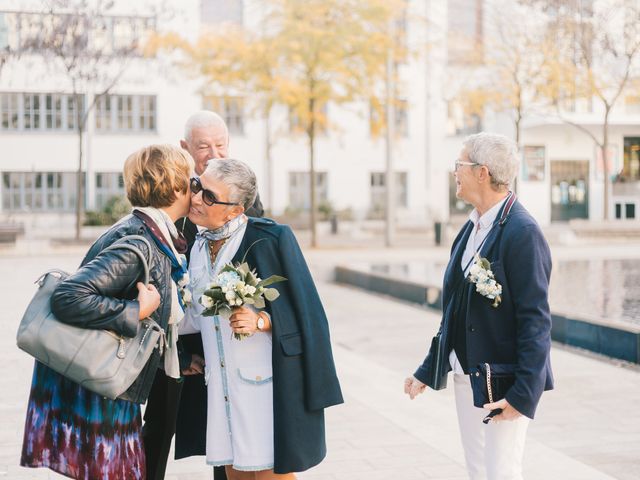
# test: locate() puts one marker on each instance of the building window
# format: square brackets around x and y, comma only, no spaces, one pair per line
[108,185]
[300,190]
[53,112]
[625,211]
[147,113]
[38,111]
[231,109]
[103,114]
[464,33]
[632,104]
[401,117]
[533,163]
[39,191]
[296,125]
[9,111]
[31,111]
[126,113]
[75,111]
[104,34]
[377,116]
[215,12]
[460,121]
[401,37]
[4,32]
[631,158]
[379,192]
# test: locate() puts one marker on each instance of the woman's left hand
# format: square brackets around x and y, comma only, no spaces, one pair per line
[244,320]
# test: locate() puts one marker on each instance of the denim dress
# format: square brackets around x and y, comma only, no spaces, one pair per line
[238,374]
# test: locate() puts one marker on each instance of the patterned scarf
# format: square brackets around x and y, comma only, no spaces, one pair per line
[221,233]
[163,232]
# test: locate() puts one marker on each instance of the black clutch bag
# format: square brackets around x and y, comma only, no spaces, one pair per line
[490,383]
[436,374]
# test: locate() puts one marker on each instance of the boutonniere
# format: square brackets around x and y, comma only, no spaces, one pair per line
[481,275]
[183,290]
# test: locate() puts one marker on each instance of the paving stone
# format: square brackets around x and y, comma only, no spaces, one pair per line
[379,432]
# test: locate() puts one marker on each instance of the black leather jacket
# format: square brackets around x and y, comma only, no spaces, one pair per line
[102,293]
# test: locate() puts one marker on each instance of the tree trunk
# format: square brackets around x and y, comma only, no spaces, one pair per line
[268,159]
[79,183]
[518,124]
[389,137]
[312,173]
[605,163]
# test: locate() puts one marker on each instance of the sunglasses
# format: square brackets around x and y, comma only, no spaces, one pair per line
[208,197]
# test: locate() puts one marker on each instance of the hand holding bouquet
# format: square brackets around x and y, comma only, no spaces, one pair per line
[236,286]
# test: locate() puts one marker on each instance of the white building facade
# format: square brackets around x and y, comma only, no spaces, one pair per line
[560,179]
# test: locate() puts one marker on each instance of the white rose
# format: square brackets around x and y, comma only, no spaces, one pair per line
[206,301]
[186,296]
[251,290]
[230,296]
[184,281]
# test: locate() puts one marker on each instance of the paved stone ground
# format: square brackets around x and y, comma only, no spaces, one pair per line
[588,428]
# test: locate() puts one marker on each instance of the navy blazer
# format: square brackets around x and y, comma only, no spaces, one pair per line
[304,375]
[518,331]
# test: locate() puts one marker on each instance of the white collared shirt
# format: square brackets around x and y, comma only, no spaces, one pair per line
[481,228]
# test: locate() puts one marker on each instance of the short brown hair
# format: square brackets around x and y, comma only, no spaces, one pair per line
[153,174]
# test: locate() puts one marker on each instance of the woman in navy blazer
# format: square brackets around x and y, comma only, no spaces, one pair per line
[269,424]
[516,333]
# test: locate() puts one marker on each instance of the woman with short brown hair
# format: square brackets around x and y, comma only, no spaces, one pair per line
[68,428]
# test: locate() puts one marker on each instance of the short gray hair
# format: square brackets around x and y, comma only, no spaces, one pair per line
[238,176]
[203,119]
[498,153]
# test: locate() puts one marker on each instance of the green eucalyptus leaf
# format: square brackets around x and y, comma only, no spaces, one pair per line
[271,294]
[271,280]
[484,263]
[228,268]
[251,279]
[215,293]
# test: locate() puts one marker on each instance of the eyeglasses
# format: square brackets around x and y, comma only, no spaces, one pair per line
[459,163]
[208,197]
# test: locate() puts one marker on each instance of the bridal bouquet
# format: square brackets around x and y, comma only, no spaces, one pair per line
[236,286]
[481,275]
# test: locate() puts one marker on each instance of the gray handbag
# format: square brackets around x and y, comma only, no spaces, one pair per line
[99,360]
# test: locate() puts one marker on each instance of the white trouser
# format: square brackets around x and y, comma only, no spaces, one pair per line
[493,451]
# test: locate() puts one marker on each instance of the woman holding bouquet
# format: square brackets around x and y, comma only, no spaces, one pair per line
[266,392]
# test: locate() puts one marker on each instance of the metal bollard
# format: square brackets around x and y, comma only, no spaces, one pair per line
[334,224]
[437,230]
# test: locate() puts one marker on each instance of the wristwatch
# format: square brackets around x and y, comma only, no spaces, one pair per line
[260,323]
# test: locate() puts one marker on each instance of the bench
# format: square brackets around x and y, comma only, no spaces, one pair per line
[9,232]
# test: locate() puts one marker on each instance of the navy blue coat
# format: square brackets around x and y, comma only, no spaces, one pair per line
[304,374]
[518,331]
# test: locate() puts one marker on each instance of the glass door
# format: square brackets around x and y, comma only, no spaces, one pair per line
[569,189]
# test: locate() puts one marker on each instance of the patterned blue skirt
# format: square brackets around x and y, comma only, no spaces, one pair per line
[81,434]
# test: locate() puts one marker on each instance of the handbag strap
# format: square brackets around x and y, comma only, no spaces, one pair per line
[120,245]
